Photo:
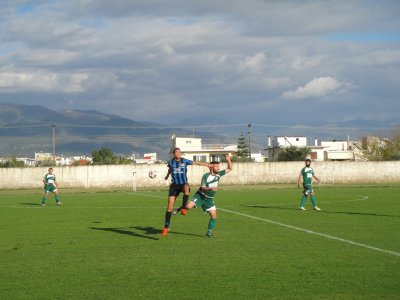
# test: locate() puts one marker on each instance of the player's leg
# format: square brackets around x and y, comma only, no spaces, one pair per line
[213,219]
[186,192]
[170,206]
[314,201]
[303,198]
[196,201]
[46,192]
[57,197]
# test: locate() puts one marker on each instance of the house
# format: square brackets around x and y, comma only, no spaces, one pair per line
[321,150]
[192,148]
[148,158]
[277,144]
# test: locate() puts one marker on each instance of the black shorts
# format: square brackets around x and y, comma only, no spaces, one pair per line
[176,189]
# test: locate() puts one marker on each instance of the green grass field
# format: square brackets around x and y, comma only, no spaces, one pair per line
[107,245]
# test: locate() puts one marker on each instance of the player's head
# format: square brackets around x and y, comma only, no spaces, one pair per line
[214,168]
[50,170]
[307,161]
[177,153]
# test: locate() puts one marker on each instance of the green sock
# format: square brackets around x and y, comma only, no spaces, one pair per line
[43,200]
[313,201]
[211,225]
[57,199]
[303,201]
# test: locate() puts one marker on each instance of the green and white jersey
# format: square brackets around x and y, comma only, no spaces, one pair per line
[210,181]
[49,179]
[307,174]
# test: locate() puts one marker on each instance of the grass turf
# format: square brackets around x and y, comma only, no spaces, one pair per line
[107,245]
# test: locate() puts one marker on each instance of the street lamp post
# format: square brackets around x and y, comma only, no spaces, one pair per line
[249,140]
[53,127]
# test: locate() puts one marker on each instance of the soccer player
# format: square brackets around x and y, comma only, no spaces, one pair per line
[177,168]
[50,186]
[307,173]
[204,197]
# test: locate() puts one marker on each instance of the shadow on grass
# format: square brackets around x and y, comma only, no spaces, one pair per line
[126,232]
[325,211]
[30,204]
[152,230]
[147,232]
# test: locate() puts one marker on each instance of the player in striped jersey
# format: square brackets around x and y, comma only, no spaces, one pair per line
[177,168]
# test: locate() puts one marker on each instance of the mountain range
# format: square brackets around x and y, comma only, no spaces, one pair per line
[26,129]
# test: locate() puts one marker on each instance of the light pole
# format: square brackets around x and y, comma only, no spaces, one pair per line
[53,127]
[249,140]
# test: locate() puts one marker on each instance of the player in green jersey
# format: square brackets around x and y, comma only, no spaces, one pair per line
[50,186]
[204,197]
[307,174]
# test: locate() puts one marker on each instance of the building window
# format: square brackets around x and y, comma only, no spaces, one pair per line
[188,142]
[314,155]
[215,158]
[297,139]
[202,158]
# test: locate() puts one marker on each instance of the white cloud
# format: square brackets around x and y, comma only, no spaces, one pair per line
[318,87]
[254,63]
[41,82]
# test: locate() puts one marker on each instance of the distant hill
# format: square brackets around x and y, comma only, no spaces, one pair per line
[26,129]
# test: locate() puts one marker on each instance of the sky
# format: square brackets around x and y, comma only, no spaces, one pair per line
[251,61]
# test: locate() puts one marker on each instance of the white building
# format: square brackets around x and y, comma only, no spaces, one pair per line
[322,150]
[277,144]
[148,158]
[192,148]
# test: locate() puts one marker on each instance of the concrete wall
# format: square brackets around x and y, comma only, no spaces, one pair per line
[243,173]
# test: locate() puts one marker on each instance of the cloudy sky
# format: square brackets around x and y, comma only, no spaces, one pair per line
[260,61]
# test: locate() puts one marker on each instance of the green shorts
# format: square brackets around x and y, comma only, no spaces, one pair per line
[206,204]
[49,189]
[308,189]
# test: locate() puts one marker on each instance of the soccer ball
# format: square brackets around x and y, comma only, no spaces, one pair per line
[152,174]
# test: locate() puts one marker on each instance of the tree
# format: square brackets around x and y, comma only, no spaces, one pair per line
[383,150]
[293,153]
[12,163]
[242,154]
[104,157]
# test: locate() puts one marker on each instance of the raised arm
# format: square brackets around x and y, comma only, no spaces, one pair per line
[228,160]
[204,164]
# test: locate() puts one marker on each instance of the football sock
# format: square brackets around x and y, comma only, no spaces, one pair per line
[185,200]
[43,200]
[211,225]
[313,201]
[167,219]
[303,201]
[57,199]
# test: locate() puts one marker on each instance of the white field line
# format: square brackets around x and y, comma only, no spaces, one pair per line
[363,198]
[313,232]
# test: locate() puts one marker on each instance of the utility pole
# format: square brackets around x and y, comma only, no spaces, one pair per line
[53,127]
[249,133]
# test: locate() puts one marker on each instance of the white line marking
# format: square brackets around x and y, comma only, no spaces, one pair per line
[363,198]
[313,232]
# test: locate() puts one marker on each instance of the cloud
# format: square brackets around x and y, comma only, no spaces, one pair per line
[318,87]
[237,55]
[13,82]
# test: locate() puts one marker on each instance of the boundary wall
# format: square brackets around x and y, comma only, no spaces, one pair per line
[125,176]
